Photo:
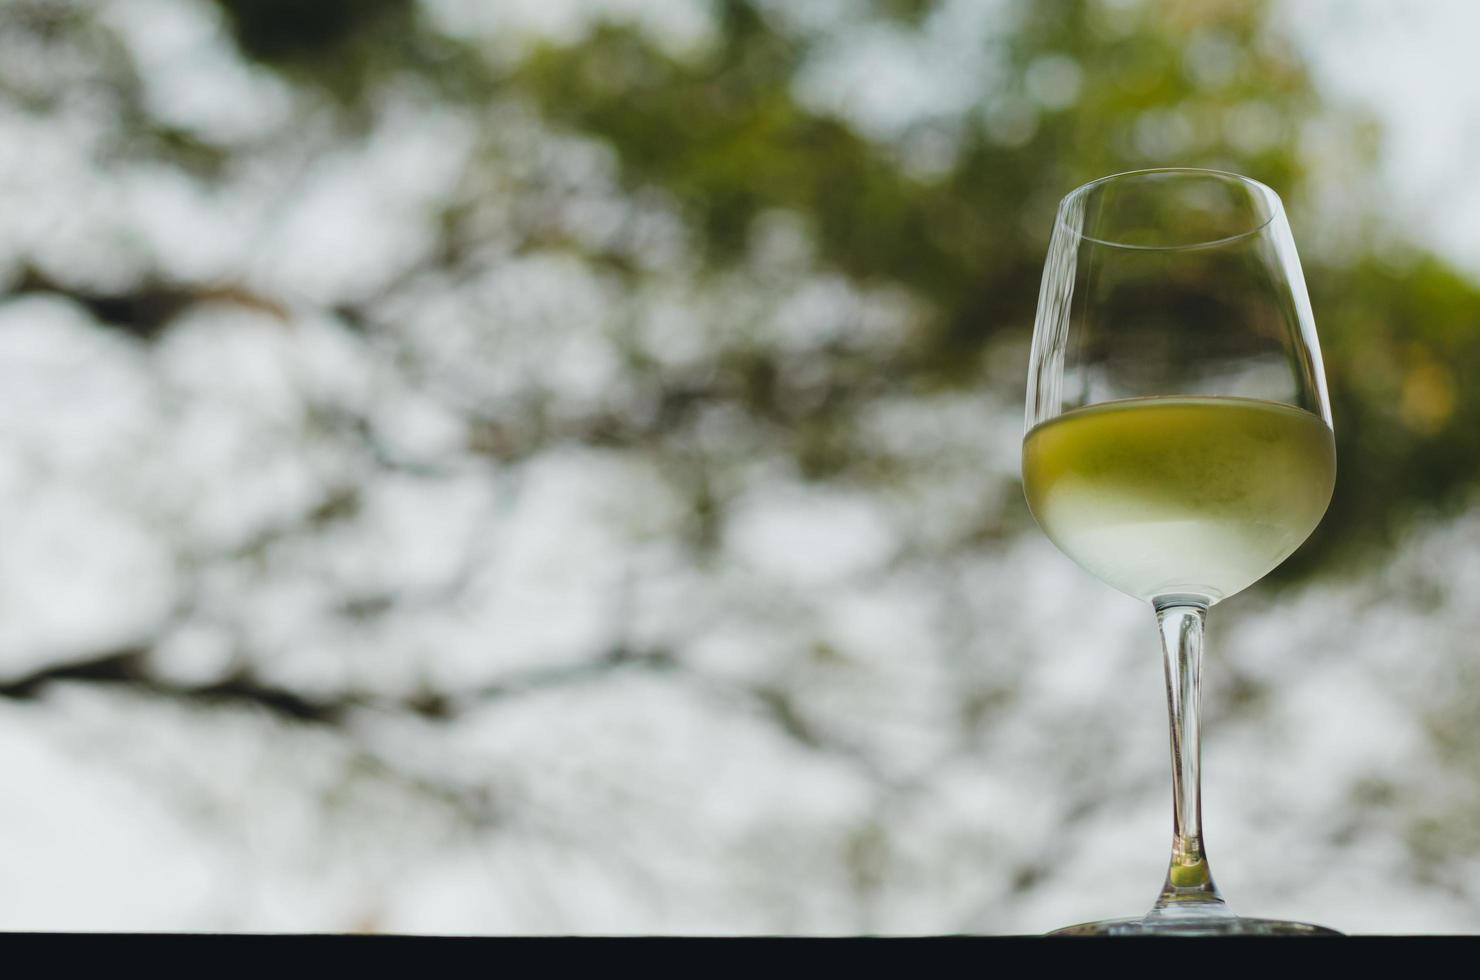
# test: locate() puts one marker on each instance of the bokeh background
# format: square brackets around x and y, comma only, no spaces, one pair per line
[551,466]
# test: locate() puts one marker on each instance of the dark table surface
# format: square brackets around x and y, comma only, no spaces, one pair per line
[908,956]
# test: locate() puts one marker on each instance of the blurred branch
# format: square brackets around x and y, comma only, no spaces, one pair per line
[148,306]
[130,667]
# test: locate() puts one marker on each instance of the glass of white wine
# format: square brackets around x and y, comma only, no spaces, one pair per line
[1178,439]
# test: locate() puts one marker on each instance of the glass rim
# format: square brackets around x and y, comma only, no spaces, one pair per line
[1224,175]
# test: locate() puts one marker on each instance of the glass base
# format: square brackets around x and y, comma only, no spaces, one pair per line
[1174,928]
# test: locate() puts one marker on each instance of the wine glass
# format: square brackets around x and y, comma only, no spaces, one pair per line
[1178,440]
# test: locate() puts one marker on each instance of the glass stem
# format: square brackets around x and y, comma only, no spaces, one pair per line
[1189,890]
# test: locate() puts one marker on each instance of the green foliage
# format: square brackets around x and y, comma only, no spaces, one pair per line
[344,47]
[279,31]
[1402,345]
[1084,89]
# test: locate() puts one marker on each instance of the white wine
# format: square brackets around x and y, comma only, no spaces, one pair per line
[1180,496]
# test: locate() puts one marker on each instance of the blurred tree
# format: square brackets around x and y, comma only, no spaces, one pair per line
[1078,90]
[675,289]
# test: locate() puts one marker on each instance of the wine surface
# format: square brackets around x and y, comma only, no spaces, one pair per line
[1180,496]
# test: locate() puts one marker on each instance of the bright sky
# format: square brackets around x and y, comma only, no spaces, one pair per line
[1414,65]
